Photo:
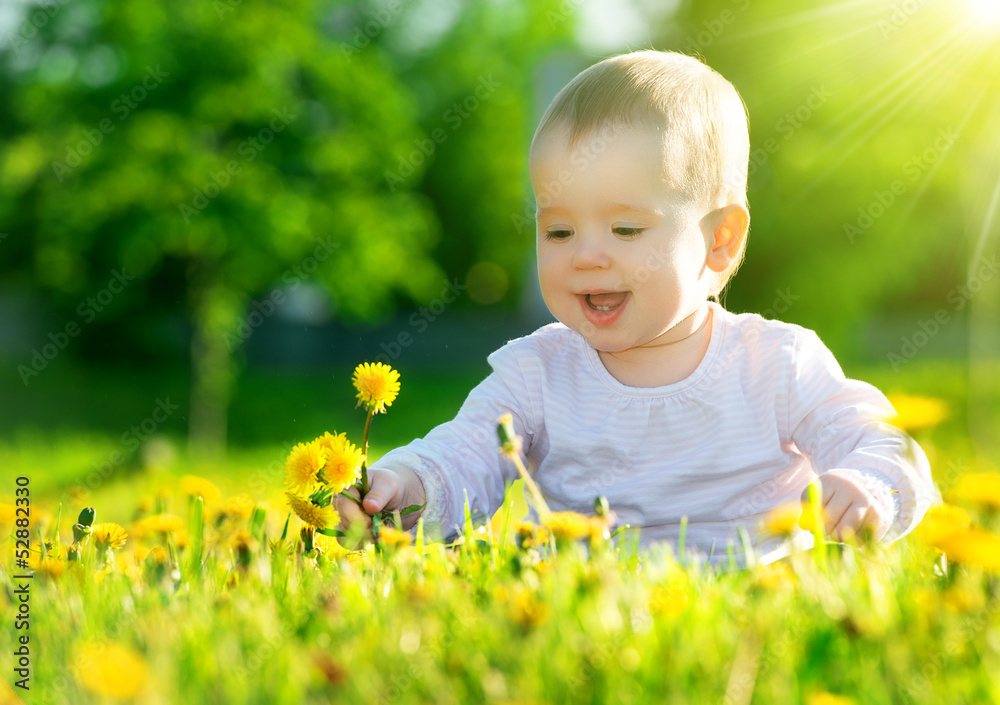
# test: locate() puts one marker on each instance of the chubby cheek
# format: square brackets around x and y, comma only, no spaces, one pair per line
[551,281]
[650,273]
[548,268]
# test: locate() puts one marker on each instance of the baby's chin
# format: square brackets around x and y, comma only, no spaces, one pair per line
[599,339]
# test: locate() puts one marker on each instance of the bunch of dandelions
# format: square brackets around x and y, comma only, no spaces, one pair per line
[330,465]
[315,472]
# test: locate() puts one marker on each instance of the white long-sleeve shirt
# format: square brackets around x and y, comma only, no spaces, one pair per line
[766,411]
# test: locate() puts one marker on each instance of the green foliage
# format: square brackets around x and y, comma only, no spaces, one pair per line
[478,87]
[406,139]
[234,139]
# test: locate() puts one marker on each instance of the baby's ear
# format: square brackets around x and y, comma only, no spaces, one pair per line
[731,224]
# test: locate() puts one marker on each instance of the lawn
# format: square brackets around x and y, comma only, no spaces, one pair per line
[210,600]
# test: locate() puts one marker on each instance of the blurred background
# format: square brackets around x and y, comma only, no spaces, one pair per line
[212,210]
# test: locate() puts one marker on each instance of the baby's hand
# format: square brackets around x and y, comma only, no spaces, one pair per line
[393,489]
[848,508]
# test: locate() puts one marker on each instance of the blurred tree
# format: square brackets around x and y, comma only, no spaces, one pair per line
[199,153]
[472,68]
[233,143]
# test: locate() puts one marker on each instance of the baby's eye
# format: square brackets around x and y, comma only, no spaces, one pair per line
[557,234]
[627,233]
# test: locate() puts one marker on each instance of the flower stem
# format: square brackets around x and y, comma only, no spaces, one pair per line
[364,451]
[536,494]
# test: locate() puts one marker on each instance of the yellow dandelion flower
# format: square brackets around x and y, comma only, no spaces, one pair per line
[568,526]
[824,698]
[156,565]
[525,608]
[777,576]
[239,507]
[312,514]
[783,520]
[669,601]
[377,385]
[303,466]
[356,558]
[126,565]
[941,522]
[530,535]
[511,444]
[980,488]
[972,546]
[157,554]
[51,568]
[110,669]
[394,538]
[600,529]
[915,412]
[35,560]
[195,486]
[158,524]
[343,462]
[8,514]
[963,599]
[108,536]
[182,538]
[243,541]
[330,546]
[244,545]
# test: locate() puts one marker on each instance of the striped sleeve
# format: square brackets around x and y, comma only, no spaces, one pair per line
[461,458]
[839,423]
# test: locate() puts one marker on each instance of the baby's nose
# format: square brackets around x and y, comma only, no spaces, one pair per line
[590,253]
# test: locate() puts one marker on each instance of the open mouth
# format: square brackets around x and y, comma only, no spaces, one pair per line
[604,308]
[606,302]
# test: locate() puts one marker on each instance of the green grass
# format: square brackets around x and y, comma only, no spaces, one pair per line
[485,622]
[482,622]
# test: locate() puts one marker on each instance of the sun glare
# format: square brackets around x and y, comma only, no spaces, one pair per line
[985,13]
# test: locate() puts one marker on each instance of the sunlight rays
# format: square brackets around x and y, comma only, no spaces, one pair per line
[920,76]
[989,217]
[929,59]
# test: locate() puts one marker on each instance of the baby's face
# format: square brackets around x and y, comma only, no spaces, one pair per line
[621,255]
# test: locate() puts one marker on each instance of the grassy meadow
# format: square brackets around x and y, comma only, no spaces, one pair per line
[189,586]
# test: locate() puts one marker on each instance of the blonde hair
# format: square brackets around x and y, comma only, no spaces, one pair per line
[699,114]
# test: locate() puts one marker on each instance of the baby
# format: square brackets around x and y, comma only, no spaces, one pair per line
[647,391]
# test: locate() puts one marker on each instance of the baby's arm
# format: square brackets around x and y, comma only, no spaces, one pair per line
[458,457]
[873,476]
